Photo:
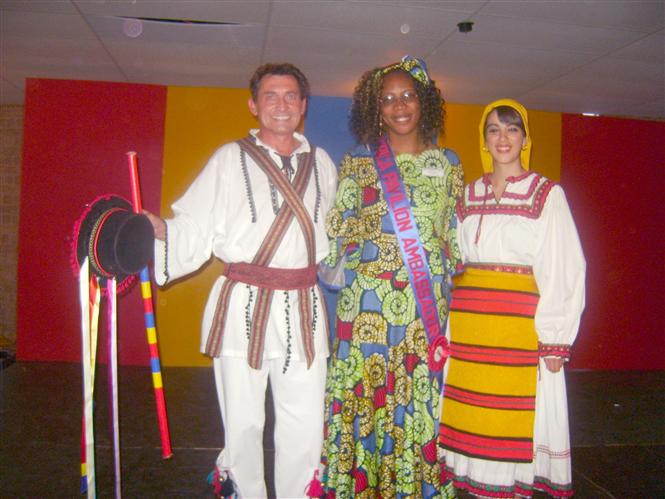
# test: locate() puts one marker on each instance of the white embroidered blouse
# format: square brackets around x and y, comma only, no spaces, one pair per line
[530,225]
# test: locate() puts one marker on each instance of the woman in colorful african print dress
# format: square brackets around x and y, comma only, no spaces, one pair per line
[382,408]
[514,315]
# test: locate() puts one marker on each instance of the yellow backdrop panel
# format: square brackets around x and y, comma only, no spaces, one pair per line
[461,135]
[198,121]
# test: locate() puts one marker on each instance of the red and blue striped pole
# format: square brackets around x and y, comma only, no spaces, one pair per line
[150,326]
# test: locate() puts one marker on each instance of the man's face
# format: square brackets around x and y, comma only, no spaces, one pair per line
[279,106]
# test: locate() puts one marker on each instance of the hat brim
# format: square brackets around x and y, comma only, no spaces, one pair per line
[85,229]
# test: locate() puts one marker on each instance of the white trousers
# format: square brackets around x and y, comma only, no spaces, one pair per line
[299,406]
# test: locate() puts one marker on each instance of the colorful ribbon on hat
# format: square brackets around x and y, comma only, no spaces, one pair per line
[112,337]
[90,298]
[89,295]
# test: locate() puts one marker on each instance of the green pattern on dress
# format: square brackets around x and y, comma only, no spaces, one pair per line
[381,405]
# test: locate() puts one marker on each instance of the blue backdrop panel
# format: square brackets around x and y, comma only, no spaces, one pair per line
[327,126]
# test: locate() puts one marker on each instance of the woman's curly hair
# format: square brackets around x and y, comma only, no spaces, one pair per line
[365,119]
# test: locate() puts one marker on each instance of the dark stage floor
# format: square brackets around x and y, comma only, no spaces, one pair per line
[617,421]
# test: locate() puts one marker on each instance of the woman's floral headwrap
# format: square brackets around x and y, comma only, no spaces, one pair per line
[413,65]
[525,154]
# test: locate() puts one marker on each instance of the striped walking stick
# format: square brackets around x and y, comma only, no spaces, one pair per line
[149,316]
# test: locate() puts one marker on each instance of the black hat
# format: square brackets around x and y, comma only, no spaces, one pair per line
[117,241]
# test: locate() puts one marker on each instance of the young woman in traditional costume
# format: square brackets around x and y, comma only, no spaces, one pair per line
[393,230]
[514,316]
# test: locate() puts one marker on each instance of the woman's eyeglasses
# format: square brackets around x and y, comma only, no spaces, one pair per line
[405,98]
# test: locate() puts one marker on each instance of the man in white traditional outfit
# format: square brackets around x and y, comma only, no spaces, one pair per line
[259,205]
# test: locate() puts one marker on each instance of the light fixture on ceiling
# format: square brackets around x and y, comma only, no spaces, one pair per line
[132,27]
[465,26]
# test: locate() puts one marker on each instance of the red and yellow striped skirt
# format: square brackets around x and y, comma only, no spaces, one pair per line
[490,391]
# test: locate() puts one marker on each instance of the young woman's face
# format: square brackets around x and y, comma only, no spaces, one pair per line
[504,141]
[400,107]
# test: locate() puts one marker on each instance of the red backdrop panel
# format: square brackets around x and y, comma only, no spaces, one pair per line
[76,136]
[612,171]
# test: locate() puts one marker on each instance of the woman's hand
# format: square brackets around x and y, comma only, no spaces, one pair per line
[554,364]
[158,225]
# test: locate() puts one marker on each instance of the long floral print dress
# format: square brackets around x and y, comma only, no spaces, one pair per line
[381,406]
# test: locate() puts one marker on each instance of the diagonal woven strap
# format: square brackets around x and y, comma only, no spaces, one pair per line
[257,335]
[292,206]
[214,343]
[305,309]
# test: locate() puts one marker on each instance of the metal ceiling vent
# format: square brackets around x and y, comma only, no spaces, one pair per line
[133,26]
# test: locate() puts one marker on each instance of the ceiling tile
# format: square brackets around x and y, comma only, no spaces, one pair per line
[555,55]
[333,48]
[46,6]
[220,37]
[645,16]
[573,103]
[44,26]
[651,48]
[382,19]
[651,109]
[237,11]
[466,6]
[463,90]
[614,79]
[51,46]
[578,103]
[487,61]
[58,59]
[514,32]
[181,54]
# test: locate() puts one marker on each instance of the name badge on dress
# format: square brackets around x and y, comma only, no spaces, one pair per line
[432,172]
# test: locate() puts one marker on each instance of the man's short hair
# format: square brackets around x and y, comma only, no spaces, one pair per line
[283,68]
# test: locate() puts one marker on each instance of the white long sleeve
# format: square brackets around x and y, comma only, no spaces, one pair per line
[226,212]
[559,268]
